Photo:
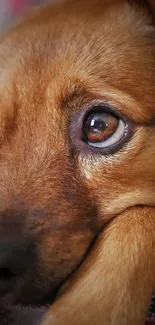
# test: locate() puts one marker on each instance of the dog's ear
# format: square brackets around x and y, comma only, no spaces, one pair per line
[117,272]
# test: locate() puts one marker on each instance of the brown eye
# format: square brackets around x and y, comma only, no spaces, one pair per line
[99,127]
[102,129]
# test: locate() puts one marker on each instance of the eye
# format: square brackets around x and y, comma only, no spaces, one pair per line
[102,129]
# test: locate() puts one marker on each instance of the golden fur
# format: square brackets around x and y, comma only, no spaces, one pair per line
[59,195]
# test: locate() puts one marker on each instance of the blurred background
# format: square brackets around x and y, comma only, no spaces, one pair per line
[11,9]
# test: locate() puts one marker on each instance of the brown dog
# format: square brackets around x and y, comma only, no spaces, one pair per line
[77,94]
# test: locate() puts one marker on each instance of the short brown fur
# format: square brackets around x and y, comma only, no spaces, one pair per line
[58,195]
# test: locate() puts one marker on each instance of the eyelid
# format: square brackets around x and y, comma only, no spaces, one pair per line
[104,106]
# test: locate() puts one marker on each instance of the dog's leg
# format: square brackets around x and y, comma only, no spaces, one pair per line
[115,283]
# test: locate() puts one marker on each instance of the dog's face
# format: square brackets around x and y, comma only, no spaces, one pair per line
[77,94]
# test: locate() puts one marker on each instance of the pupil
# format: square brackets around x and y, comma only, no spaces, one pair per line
[99,127]
[96,127]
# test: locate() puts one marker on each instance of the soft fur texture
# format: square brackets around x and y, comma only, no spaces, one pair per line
[57,193]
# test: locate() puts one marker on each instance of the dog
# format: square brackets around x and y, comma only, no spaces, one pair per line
[77,94]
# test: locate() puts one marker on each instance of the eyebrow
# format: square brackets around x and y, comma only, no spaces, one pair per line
[79,95]
[74,98]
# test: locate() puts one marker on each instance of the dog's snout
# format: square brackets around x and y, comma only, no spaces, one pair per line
[14,259]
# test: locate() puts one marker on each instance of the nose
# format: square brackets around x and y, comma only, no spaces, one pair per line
[14,260]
